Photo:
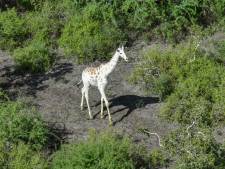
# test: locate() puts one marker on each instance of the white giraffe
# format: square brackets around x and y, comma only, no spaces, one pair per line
[97,76]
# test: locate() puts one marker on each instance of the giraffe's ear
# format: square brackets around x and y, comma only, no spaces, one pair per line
[122,48]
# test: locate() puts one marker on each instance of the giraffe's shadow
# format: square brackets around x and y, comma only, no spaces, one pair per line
[129,103]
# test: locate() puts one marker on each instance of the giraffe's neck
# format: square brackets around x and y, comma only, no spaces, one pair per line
[110,66]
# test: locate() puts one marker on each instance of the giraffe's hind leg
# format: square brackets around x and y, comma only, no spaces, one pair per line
[87,100]
[82,99]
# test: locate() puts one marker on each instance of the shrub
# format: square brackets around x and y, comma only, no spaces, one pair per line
[12,29]
[157,158]
[177,18]
[39,26]
[141,15]
[21,4]
[89,36]
[218,107]
[88,40]
[30,4]
[44,24]
[3,96]
[221,52]
[17,124]
[34,58]
[192,88]
[193,98]
[198,149]
[100,151]
[159,69]
[20,156]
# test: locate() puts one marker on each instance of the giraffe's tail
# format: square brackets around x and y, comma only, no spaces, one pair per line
[78,84]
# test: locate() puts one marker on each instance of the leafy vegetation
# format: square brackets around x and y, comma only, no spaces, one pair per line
[90,30]
[100,151]
[87,38]
[34,58]
[22,136]
[196,148]
[12,29]
[191,83]
[16,156]
[157,158]
[18,124]
[159,69]
[195,95]
[189,79]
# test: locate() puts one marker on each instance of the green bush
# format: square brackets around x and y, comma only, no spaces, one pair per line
[198,149]
[3,96]
[141,15]
[17,124]
[30,4]
[193,87]
[20,156]
[44,24]
[100,151]
[21,5]
[157,158]
[195,95]
[12,29]
[218,107]
[34,58]
[31,36]
[39,26]
[89,36]
[159,69]
[221,52]
[178,18]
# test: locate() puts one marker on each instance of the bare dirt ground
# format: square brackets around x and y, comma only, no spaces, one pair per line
[58,99]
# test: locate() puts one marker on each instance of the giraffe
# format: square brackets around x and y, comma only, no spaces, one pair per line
[97,76]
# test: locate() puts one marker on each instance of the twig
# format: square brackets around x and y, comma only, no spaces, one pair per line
[196,47]
[193,123]
[149,133]
[201,133]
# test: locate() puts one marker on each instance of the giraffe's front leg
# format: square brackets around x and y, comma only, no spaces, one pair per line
[107,104]
[102,99]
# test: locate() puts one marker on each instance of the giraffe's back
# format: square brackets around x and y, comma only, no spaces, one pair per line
[90,75]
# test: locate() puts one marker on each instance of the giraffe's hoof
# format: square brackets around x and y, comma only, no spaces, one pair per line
[102,116]
[110,123]
[91,118]
[81,108]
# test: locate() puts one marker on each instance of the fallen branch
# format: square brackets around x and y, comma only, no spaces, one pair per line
[149,133]
[193,123]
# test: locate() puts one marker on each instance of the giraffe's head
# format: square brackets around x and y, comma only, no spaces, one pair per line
[121,53]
